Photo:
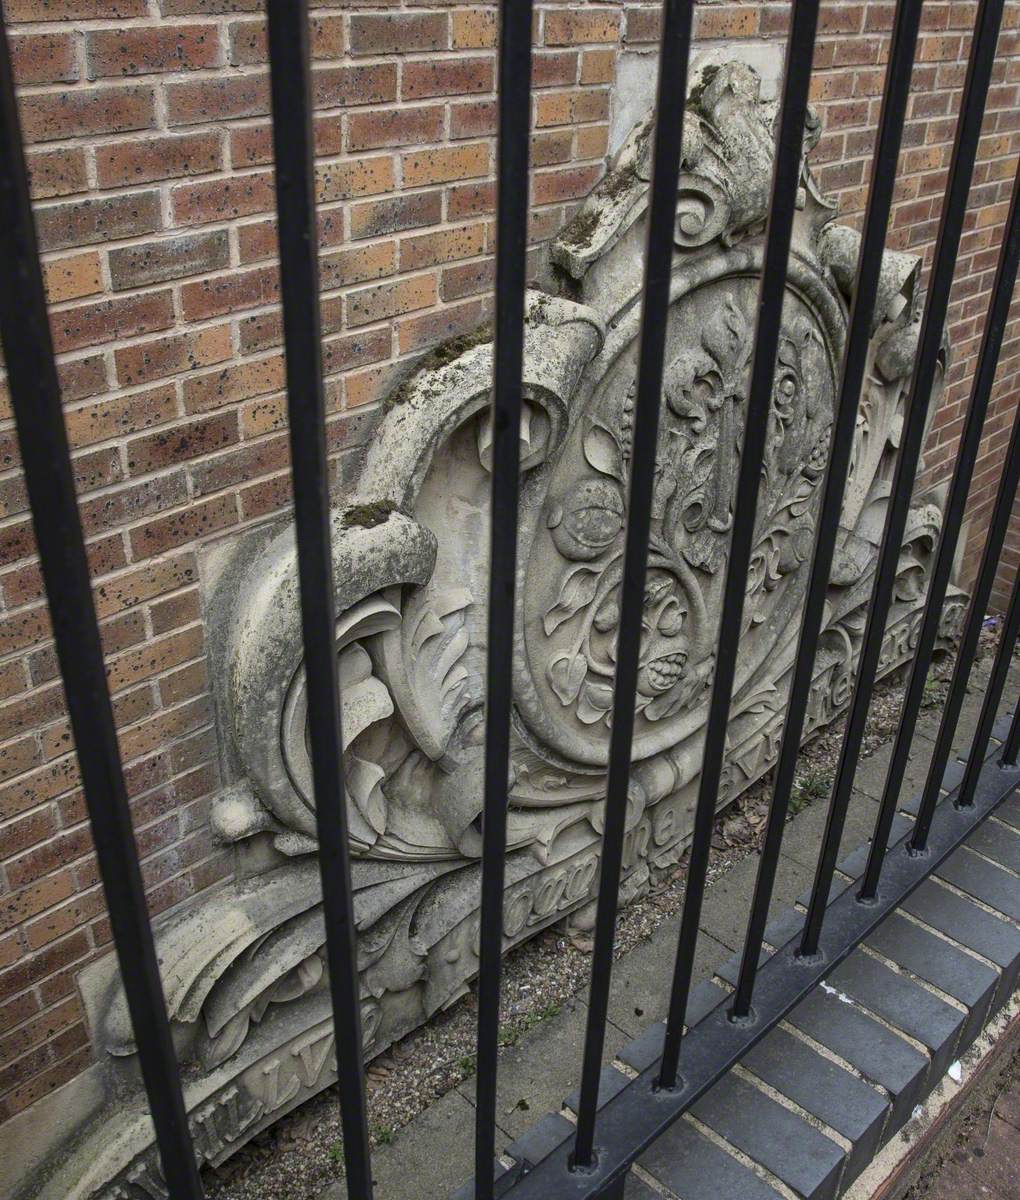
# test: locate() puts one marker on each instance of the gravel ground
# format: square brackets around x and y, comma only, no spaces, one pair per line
[301,1154]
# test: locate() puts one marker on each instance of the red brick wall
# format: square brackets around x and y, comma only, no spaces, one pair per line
[151,167]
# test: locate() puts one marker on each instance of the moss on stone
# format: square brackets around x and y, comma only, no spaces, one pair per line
[620,181]
[365,516]
[440,356]
[581,229]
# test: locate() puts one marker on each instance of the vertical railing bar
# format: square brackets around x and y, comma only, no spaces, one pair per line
[990,703]
[981,592]
[869,270]
[785,182]
[968,129]
[970,443]
[671,96]
[512,184]
[290,81]
[35,396]
[1011,746]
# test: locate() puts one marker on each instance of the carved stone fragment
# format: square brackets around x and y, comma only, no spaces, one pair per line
[244,965]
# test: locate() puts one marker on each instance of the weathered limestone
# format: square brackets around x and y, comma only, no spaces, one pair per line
[244,967]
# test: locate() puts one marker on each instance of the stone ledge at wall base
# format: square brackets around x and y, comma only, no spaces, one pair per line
[244,966]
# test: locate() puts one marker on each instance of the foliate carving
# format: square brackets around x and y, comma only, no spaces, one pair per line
[245,967]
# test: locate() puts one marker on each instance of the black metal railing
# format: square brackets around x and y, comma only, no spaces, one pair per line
[610,1133]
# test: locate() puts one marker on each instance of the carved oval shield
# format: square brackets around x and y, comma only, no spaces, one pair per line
[570,602]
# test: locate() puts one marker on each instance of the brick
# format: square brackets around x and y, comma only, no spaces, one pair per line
[574,107]
[169,355]
[73,276]
[726,21]
[106,320]
[149,735]
[38,786]
[170,258]
[409,126]
[383,300]
[592,142]
[558,69]
[178,610]
[842,1101]
[151,159]
[467,280]
[165,533]
[549,187]
[119,415]
[379,217]
[344,180]
[252,145]
[217,99]
[30,830]
[12,679]
[229,293]
[177,443]
[905,1005]
[446,245]
[971,926]
[598,66]
[952,971]
[142,583]
[61,850]
[221,199]
[987,883]
[155,657]
[233,384]
[357,264]
[81,223]
[781,1140]
[73,10]
[880,1055]
[264,415]
[250,461]
[355,350]
[57,173]
[423,167]
[46,116]
[575,27]
[366,387]
[189,681]
[432,328]
[998,844]
[132,502]
[60,921]
[18,906]
[446,77]
[29,712]
[470,199]
[143,51]
[473,29]
[269,496]
[398,33]
[96,469]
[248,44]
[339,87]
[473,118]
[265,329]
[692,1166]
[43,58]
[178,8]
